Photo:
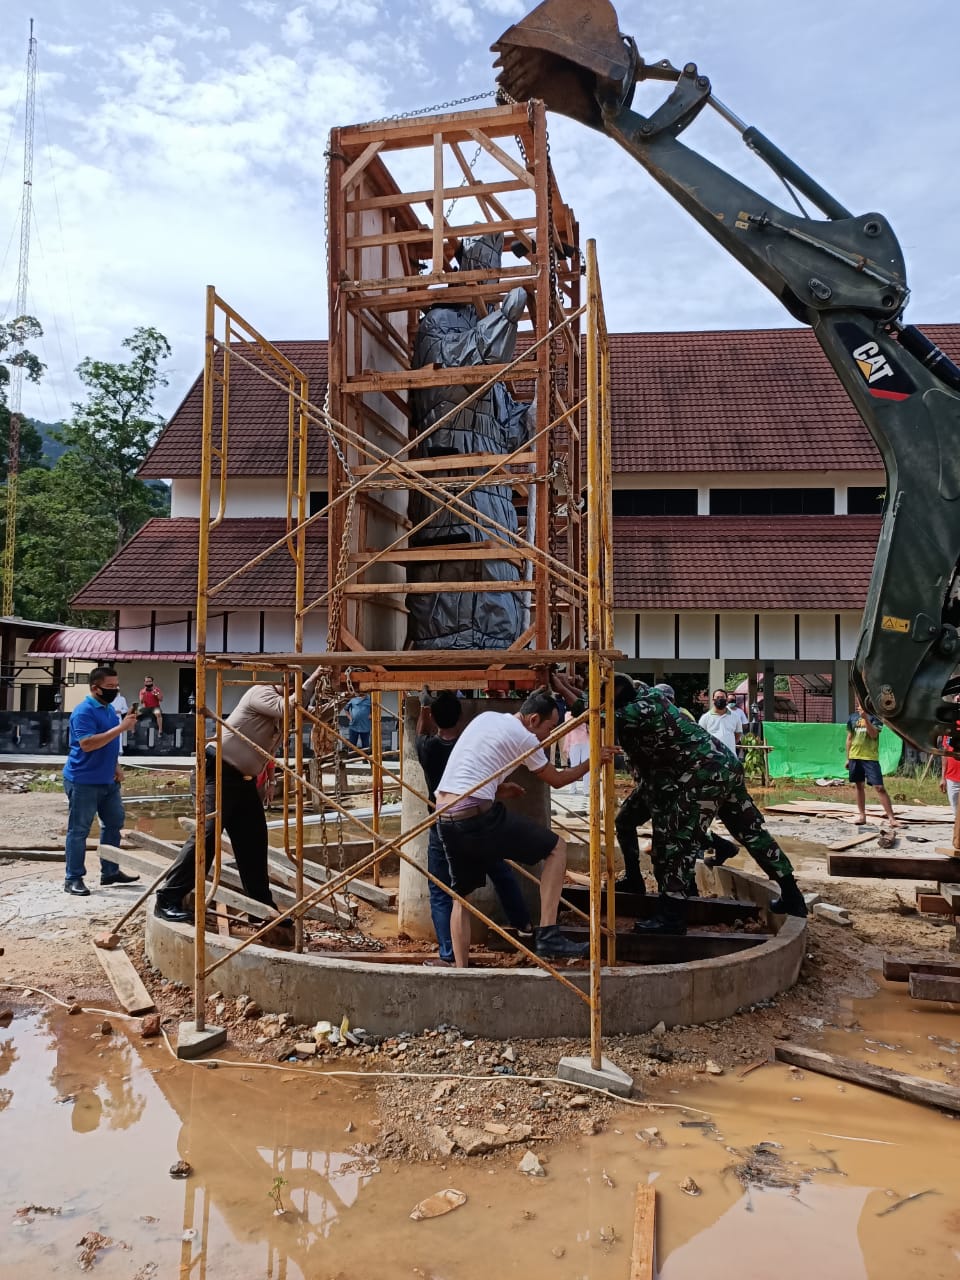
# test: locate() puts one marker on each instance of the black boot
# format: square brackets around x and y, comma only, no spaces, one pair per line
[721,851]
[630,882]
[172,911]
[790,902]
[670,919]
[550,943]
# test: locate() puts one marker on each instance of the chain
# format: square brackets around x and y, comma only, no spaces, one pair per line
[439,106]
[466,181]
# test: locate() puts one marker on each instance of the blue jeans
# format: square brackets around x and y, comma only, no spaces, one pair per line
[86,803]
[359,738]
[502,878]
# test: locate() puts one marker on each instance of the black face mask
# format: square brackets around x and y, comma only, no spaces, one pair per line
[106,695]
[720,702]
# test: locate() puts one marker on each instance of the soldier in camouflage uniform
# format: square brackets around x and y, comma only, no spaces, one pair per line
[687,780]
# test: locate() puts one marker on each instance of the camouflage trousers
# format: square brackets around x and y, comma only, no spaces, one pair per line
[682,806]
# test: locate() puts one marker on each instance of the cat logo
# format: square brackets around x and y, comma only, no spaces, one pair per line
[890,623]
[872,363]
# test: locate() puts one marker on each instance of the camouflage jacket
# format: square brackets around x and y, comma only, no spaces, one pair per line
[657,739]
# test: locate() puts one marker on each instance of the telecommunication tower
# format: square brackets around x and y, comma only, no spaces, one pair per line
[16,376]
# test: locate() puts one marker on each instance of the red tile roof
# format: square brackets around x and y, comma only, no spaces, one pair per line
[258,422]
[721,400]
[747,400]
[157,567]
[758,562]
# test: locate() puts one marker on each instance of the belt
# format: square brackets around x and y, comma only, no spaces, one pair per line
[247,777]
[472,811]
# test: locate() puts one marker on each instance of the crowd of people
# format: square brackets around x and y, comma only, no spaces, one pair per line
[686,772]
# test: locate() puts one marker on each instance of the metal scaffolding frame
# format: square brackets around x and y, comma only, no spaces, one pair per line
[578,425]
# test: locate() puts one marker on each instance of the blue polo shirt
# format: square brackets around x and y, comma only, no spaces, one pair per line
[92,768]
[359,709]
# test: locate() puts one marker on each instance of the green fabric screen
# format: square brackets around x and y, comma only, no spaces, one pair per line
[817,750]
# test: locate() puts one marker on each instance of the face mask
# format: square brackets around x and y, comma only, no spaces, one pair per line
[107,695]
[720,702]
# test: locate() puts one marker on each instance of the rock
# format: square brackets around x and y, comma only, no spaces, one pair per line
[105,1028]
[181,1169]
[220,1010]
[443,1090]
[474,1142]
[439,1140]
[558,1251]
[74,1009]
[509,1054]
[6,1017]
[689,1187]
[305,1048]
[659,1029]
[150,1026]
[252,1010]
[714,1068]
[589,1125]
[286,1021]
[350,1127]
[531,1166]
[578,1102]
[241,1003]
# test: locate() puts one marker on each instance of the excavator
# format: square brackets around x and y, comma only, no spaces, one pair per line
[844,276]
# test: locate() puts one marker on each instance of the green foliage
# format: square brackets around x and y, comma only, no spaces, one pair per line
[752,760]
[31,443]
[15,354]
[109,435]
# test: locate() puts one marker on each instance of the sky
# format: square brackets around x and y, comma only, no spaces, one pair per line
[182,143]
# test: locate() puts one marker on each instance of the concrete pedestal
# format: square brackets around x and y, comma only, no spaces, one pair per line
[192,1043]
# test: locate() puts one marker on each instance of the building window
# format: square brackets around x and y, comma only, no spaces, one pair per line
[318,500]
[865,501]
[654,502]
[771,502]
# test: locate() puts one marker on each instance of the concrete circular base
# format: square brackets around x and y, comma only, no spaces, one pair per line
[389,999]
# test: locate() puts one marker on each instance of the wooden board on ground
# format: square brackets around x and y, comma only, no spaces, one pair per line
[898,970]
[837,809]
[894,866]
[644,1233]
[933,904]
[384,899]
[910,1088]
[931,986]
[840,845]
[130,991]
[643,905]
[951,894]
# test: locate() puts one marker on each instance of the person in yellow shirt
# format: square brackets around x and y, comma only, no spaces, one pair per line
[863,762]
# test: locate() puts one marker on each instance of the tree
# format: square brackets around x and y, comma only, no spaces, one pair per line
[109,435]
[14,353]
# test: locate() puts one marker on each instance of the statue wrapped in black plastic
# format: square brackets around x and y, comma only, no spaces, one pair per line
[451,335]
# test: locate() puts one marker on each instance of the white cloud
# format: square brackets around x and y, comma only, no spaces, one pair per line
[459,16]
[296,29]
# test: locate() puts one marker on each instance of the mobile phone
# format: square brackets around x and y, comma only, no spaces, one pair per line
[134,706]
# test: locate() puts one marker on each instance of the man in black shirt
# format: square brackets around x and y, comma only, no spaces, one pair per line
[438,727]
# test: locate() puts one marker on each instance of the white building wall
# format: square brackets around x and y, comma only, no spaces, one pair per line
[652,636]
[704,481]
[246,496]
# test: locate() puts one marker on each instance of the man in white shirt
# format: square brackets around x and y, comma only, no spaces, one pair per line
[721,723]
[477,829]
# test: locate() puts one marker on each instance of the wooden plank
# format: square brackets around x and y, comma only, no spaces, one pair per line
[642,906]
[384,899]
[398,660]
[910,1088]
[644,1233]
[934,986]
[498,153]
[360,163]
[395,199]
[453,462]
[933,904]
[498,121]
[428,376]
[459,587]
[422,237]
[129,990]
[894,866]
[848,844]
[897,970]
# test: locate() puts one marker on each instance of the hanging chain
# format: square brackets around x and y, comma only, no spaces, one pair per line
[439,106]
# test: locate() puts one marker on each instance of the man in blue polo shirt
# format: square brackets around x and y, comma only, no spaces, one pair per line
[91,779]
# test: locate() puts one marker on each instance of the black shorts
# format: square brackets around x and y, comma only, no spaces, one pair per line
[867,771]
[476,842]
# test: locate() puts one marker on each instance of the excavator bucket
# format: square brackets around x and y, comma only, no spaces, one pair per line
[570,53]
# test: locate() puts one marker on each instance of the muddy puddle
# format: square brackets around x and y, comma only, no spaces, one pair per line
[799,1176]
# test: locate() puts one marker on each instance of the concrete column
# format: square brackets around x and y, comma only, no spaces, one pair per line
[840,500]
[703,501]
[718,673]
[842,693]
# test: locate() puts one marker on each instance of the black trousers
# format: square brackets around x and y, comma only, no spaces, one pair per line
[244,822]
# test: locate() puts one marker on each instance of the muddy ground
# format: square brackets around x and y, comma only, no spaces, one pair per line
[46,938]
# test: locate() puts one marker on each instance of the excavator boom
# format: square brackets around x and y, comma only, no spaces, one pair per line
[844,275]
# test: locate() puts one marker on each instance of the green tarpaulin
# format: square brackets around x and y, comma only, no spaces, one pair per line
[817,750]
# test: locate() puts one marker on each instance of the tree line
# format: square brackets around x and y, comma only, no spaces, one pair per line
[74,514]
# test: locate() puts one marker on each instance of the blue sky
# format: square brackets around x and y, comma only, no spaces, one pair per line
[182,144]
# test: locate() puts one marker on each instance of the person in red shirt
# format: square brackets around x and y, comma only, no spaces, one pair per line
[151,695]
[950,775]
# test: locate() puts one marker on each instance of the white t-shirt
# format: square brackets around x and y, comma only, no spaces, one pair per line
[488,745]
[737,714]
[724,728]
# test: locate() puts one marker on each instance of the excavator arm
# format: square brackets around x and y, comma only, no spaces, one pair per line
[844,276]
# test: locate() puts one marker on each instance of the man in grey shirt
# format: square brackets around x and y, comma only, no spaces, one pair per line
[258,716]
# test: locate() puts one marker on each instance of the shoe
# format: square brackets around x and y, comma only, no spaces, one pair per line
[550,943]
[77,888]
[435,962]
[118,877]
[630,884]
[721,851]
[790,901]
[670,920]
[174,913]
[281,934]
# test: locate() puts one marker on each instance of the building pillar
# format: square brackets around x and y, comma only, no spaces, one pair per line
[842,694]
[8,655]
[840,500]
[769,692]
[703,501]
[718,674]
